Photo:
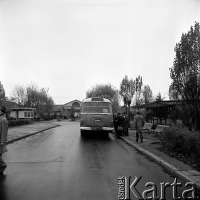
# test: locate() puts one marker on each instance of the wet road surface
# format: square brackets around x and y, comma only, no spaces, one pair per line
[60,164]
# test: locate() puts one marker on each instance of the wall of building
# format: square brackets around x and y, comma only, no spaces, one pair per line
[13,114]
[22,114]
[67,108]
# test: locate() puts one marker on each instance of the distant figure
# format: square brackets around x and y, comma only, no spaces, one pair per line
[139,124]
[115,123]
[120,122]
[3,137]
[126,124]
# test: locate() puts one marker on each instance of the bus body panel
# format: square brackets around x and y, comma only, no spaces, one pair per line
[96,116]
[98,122]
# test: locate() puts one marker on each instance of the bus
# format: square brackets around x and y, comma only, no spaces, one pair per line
[96,115]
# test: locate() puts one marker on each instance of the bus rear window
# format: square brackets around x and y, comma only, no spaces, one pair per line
[89,107]
[104,107]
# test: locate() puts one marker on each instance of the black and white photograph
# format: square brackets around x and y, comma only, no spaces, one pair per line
[99,99]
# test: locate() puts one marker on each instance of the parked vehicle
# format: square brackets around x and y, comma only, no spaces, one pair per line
[96,115]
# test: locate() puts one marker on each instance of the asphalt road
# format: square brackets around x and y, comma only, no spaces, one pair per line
[59,164]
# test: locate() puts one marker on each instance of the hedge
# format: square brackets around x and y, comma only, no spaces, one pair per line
[18,122]
[183,143]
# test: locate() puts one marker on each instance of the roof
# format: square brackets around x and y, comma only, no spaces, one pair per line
[22,108]
[158,104]
[90,99]
[73,101]
[9,104]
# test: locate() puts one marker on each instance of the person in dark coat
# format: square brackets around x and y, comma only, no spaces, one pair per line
[115,123]
[126,124]
[3,137]
[120,123]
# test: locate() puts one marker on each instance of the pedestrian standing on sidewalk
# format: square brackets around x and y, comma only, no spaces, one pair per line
[139,124]
[120,124]
[115,123]
[126,124]
[3,137]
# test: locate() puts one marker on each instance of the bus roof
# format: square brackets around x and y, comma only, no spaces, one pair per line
[100,99]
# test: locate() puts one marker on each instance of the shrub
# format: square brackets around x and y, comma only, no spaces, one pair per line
[180,141]
[18,122]
[10,118]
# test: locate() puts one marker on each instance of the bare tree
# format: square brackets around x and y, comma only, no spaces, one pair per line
[19,95]
[32,96]
[127,89]
[147,95]
[138,89]
[39,98]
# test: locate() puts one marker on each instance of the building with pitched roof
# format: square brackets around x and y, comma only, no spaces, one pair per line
[71,108]
[66,110]
[17,112]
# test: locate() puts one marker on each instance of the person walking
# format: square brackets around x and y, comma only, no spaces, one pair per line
[3,137]
[139,124]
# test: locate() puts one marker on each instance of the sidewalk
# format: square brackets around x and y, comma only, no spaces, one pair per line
[19,132]
[150,148]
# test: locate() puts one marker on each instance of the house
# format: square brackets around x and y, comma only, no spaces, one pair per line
[56,111]
[22,113]
[17,112]
[65,110]
[71,108]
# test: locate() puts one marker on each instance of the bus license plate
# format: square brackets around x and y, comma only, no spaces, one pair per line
[96,128]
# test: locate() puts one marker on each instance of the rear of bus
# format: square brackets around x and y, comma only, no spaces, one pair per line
[96,115]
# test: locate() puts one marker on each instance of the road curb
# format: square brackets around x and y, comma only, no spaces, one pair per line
[168,167]
[28,135]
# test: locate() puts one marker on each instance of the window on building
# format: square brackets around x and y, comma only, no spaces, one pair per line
[25,114]
[58,114]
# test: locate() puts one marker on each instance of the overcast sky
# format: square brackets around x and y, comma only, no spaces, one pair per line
[69,46]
